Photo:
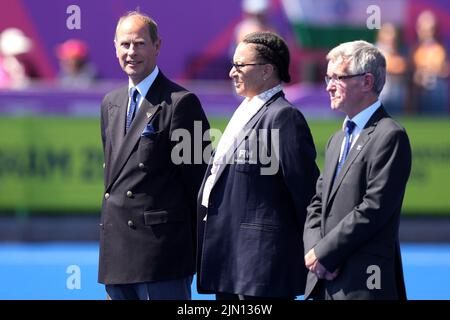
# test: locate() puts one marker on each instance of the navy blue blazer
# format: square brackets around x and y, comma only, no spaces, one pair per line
[251,242]
[147,229]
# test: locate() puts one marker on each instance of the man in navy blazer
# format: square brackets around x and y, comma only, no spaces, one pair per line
[148,220]
[351,231]
[253,200]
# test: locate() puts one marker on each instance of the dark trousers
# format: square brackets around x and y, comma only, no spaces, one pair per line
[320,292]
[235,297]
[178,289]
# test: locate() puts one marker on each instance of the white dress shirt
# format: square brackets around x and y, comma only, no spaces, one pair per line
[142,87]
[360,121]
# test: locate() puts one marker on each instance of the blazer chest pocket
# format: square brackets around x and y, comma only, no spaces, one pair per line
[150,138]
[247,168]
[163,216]
[259,226]
[149,146]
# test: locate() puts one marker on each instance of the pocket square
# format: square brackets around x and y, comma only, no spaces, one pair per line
[148,130]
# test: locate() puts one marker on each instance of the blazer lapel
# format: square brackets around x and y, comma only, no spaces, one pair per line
[331,164]
[364,137]
[117,117]
[116,129]
[357,148]
[249,126]
[144,115]
[205,177]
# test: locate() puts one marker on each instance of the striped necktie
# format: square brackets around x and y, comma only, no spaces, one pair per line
[134,94]
[349,127]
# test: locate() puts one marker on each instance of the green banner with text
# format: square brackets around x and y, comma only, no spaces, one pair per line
[54,164]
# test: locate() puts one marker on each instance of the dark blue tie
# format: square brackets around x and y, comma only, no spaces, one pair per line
[133,104]
[349,127]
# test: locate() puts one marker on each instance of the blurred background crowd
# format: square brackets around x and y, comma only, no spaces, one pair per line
[36,46]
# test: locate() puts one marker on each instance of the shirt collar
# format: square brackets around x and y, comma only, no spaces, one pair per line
[363,117]
[265,96]
[143,86]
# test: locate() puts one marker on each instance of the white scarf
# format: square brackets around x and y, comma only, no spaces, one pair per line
[246,110]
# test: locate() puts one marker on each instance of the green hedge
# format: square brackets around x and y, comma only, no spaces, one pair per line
[54,164]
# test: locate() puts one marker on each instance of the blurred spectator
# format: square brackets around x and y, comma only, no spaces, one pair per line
[430,68]
[75,69]
[255,19]
[14,45]
[394,93]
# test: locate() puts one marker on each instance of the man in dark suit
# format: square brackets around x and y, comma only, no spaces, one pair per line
[147,236]
[252,204]
[351,231]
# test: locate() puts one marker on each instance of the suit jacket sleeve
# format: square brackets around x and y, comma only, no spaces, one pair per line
[103,122]
[388,172]
[189,115]
[297,156]
[313,224]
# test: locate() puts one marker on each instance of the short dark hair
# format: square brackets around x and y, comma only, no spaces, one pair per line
[152,26]
[273,49]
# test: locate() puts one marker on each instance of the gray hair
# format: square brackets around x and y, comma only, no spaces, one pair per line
[363,57]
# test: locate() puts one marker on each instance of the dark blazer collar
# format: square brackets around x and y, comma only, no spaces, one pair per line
[153,98]
[249,126]
[358,147]
[377,116]
[124,144]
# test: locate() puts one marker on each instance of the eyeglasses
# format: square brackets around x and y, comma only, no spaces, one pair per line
[336,78]
[238,66]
